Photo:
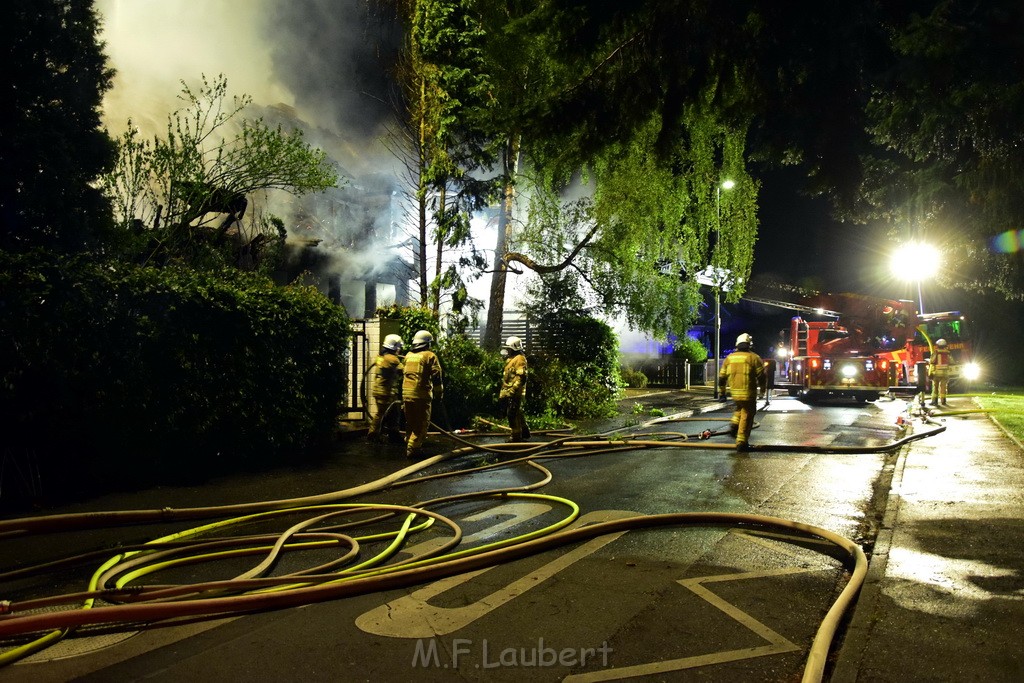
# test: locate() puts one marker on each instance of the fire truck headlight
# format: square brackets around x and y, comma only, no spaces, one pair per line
[971,371]
[849,370]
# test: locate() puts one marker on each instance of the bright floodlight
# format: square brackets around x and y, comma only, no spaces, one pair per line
[971,371]
[915,261]
[728,184]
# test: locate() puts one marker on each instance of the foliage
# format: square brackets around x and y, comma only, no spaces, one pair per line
[577,373]
[53,147]
[915,106]
[155,371]
[689,349]
[947,120]
[472,379]
[445,93]
[571,390]
[168,191]
[634,379]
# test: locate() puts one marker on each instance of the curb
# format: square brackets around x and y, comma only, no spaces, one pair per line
[858,633]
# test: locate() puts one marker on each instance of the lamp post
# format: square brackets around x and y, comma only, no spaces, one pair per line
[724,185]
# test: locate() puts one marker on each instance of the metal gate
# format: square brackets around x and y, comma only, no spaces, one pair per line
[358,361]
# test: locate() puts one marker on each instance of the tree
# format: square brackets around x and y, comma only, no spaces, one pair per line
[444,98]
[905,112]
[52,146]
[173,189]
[650,168]
[646,231]
[947,121]
[650,218]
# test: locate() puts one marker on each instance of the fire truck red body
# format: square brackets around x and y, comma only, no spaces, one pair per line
[869,347]
[826,360]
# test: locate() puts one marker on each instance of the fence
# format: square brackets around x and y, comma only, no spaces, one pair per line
[676,374]
[367,336]
[514,324]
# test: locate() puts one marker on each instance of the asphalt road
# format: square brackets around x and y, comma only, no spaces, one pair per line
[681,602]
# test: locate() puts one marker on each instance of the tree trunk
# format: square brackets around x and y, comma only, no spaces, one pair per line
[421,197]
[491,340]
[442,211]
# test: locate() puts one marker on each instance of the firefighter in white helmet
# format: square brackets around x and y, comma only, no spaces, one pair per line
[422,384]
[385,391]
[742,374]
[939,371]
[513,388]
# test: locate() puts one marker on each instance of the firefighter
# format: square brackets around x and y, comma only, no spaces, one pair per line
[513,388]
[743,374]
[421,385]
[385,392]
[938,370]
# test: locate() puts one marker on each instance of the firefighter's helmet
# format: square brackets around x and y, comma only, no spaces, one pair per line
[744,339]
[941,342]
[422,340]
[514,344]
[392,342]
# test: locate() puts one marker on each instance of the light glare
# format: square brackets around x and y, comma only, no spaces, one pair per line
[915,261]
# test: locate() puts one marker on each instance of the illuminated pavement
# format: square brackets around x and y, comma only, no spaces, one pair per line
[945,594]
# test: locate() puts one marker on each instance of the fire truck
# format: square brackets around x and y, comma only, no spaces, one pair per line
[865,347]
[910,359]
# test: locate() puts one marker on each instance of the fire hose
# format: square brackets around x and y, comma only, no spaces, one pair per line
[252,590]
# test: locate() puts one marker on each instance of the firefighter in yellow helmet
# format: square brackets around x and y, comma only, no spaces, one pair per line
[422,384]
[939,371]
[742,374]
[513,388]
[384,391]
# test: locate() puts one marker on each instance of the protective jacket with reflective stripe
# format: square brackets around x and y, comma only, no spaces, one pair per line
[742,373]
[422,376]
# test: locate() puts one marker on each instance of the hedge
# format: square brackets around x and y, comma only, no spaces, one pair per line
[111,371]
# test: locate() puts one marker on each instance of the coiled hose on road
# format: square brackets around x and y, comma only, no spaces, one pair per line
[349,575]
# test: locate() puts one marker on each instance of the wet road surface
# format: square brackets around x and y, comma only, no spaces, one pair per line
[678,602]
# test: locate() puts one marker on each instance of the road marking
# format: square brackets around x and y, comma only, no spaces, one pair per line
[763,538]
[412,616]
[777,643]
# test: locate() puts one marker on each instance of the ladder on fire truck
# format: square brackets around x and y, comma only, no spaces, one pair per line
[802,333]
[791,306]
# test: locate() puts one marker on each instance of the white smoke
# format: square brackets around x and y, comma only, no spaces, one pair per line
[316,64]
[156,44]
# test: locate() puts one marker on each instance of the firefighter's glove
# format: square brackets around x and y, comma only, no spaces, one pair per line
[504,394]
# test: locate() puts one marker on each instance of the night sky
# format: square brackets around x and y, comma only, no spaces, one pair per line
[800,243]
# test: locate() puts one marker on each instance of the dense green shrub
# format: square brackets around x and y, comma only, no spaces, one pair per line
[577,376]
[412,319]
[688,348]
[110,368]
[634,379]
[472,380]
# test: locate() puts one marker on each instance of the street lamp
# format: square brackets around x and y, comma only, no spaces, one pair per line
[914,262]
[724,185]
